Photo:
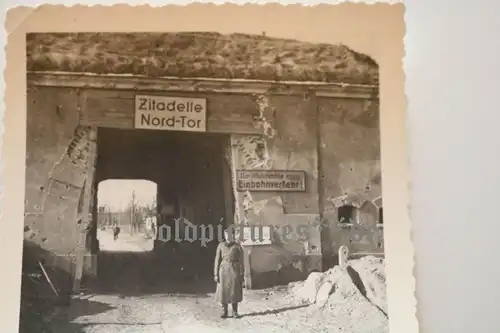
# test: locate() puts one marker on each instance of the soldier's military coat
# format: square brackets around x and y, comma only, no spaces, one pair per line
[229,270]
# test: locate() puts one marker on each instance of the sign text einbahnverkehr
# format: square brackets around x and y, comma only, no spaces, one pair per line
[270,180]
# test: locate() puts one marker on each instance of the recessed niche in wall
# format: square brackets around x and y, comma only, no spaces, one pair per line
[347,215]
[380,221]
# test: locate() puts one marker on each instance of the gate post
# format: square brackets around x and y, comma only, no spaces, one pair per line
[86,209]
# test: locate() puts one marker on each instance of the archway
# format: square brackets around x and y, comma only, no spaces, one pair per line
[181,174]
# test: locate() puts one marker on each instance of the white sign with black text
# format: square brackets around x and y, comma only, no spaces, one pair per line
[170,113]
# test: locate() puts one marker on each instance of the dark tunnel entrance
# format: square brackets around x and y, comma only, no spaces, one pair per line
[193,181]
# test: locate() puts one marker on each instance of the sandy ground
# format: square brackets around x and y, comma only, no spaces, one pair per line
[272,310]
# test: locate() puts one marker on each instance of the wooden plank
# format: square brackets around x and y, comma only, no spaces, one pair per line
[214,125]
[116,109]
[86,207]
[171,84]
[48,279]
[227,187]
[114,123]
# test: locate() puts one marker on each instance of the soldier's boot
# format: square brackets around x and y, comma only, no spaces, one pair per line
[224,311]
[235,310]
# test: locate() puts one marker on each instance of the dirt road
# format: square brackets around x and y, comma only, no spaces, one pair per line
[125,242]
[138,298]
[262,311]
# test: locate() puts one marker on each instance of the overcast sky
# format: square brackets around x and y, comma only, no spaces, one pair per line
[117,193]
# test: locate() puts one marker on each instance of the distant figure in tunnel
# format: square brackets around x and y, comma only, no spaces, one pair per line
[228,273]
[116,231]
[153,229]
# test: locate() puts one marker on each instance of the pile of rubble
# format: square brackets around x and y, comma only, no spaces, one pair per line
[351,294]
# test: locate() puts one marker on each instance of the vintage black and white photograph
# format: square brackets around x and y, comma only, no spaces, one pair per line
[203,181]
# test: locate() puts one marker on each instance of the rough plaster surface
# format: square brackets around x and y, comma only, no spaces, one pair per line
[57,152]
[342,154]
[350,166]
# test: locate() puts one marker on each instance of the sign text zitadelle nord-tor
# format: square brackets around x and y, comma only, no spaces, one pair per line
[271,180]
[170,113]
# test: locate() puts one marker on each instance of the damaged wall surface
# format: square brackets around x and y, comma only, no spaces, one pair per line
[334,140]
[339,148]
[350,171]
[57,158]
[289,142]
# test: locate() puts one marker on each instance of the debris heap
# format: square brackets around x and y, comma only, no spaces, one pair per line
[352,295]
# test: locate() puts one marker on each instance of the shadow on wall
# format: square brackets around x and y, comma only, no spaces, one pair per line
[42,310]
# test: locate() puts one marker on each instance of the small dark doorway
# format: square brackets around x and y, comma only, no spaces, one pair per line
[347,214]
